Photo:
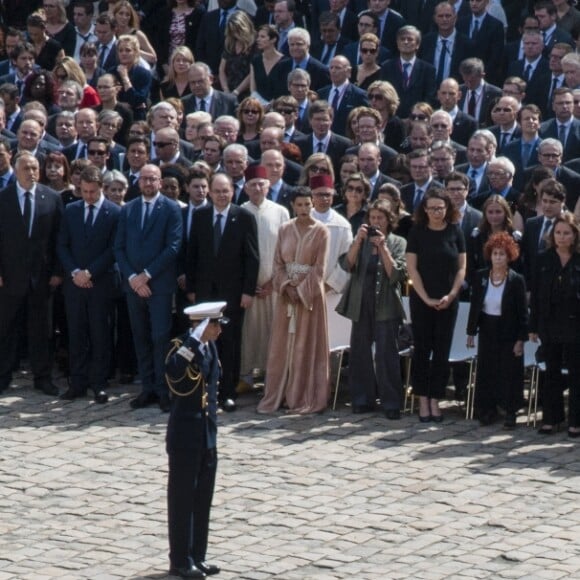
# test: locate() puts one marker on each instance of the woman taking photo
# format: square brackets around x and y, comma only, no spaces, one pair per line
[250,116]
[436,264]
[555,319]
[384,98]
[234,70]
[176,83]
[499,314]
[372,300]
[368,71]
[263,69]
[297,368]
[356,192]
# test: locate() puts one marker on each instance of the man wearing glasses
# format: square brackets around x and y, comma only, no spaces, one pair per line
[505,128]
[367,23]
[287,106]
[166,143]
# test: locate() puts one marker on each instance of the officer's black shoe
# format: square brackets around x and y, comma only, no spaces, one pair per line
[207,569]
[186,572]
[228,405]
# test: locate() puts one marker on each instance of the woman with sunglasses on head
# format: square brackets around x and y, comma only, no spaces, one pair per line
[250,116]
[368,71]
[555,319]
[316,164]
[263,69]
[436,264]
[69,69]
[176,83]
[384,98]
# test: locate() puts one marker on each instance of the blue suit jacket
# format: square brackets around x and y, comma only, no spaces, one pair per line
[353,97]
[154,249]
[572,146]
[90,250]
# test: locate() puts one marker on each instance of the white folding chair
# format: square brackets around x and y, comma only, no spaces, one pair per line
[407,355]
[339,329]
[530,363]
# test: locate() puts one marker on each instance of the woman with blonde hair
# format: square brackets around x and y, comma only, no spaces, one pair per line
[234,69]
[175,83]
[135,79]
[58,26]
[316,164]
[250,116]
[384,98]
[69,70]
[127,21]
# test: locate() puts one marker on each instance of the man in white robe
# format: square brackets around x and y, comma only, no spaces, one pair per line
[258,318]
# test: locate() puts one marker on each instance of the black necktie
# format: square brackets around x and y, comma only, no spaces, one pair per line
[320,148]
[90,219]
[528,72]
[562,134]
[146,216]
[504,139]
[335,100]
[441,65]
[475,28]
[27,213]
[202,105]
[472,105]
[83,152]
[327,52]
[217,233]
[102,56]
[223,20]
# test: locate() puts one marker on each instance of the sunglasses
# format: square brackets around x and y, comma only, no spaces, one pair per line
[251,112]
[377,96]
[316,169]
[418,117]
[97,152]
[368,50]
[502,110]
[161,144]
[286,111]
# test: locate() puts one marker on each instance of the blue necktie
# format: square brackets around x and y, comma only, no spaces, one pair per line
[441,65]
[406,68]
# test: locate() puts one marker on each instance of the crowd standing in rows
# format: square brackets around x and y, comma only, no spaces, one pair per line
[153,154]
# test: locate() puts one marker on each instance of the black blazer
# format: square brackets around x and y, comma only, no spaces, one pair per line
[483,184]
[408,194]
[419,13]
[513,151]
[530,243]
[319,76]
[210,43]
[568,178]
[464,126]
[538,86]
[512,197]
[572,145]
[351,52]
[353,97]
[496,130]
[514,308]
[318,47]
[28,262]
[421,85]
[381,180]
[386,155]
[462,48]
[112,59]
[489,43]
[490,94]
[221,104]
[337,147]
[234,271]
[392,25]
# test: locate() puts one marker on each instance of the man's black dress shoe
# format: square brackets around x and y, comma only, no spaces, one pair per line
[358,409]
[393,414]
[164,403]
[228,405]
[47,388]
[509,421]
[186,572]
[207,569]
[126,379]
[101,397]
[144,400]
[71,394]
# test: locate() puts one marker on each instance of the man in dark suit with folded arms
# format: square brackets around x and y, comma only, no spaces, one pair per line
[203,97]
[222,264]
[85,249]
[30,216]
[147,246]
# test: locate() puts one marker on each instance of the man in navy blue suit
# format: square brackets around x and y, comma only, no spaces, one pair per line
[85,249]
[146,248]
[342,95]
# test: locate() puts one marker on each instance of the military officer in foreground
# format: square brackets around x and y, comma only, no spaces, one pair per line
[193,373]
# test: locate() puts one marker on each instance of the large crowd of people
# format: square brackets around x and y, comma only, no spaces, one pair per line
[301,161]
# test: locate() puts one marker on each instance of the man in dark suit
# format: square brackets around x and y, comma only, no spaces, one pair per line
[30,216]
[285,19]
[464,125]
[235,162]
[86,127]
[342,95]
[442,125]
[487,35]
[413,78]
[300,57]
[369,158]
[332,40]
[323,140]
[147,248]
[107,46]
[193,373]
[166,143]
[211,34]
[445,48]
[480,150]
[222,264]
[500,173]
[477,95]
[287,106]
[279,191]
[457,187]
[565,127]
[85,249]
[367,23]
[534,69]
[418,13]
[203,97]
[547,16]
[23,57]
[506,128]
[422,179]
[389,23]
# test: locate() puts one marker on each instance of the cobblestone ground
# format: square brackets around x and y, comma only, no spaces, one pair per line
[82,495]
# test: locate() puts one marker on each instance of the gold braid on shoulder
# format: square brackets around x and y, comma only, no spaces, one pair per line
[191,379]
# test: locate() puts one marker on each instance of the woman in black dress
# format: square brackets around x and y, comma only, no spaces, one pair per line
[250,116]
[368,71]
[58,26]
[176,83]
[384,98]
[48,51]
[436,265]
[499,314]
[555,319]
[264,70]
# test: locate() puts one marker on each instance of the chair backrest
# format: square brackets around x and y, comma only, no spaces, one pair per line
[459,350]
[407,309]
[530,349]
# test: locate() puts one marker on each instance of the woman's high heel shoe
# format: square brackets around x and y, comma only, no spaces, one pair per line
[549,429]
[573,434]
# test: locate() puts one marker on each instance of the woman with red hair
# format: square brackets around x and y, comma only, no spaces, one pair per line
[499,314]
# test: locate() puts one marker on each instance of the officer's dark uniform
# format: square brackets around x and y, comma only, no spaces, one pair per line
[191,446]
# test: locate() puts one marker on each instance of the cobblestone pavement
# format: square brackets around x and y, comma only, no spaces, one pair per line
[82,495]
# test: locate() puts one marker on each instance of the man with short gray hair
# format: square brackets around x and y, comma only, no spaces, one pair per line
[235,162]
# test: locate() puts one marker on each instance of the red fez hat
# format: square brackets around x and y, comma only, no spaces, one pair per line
[322,180]
[255,172]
